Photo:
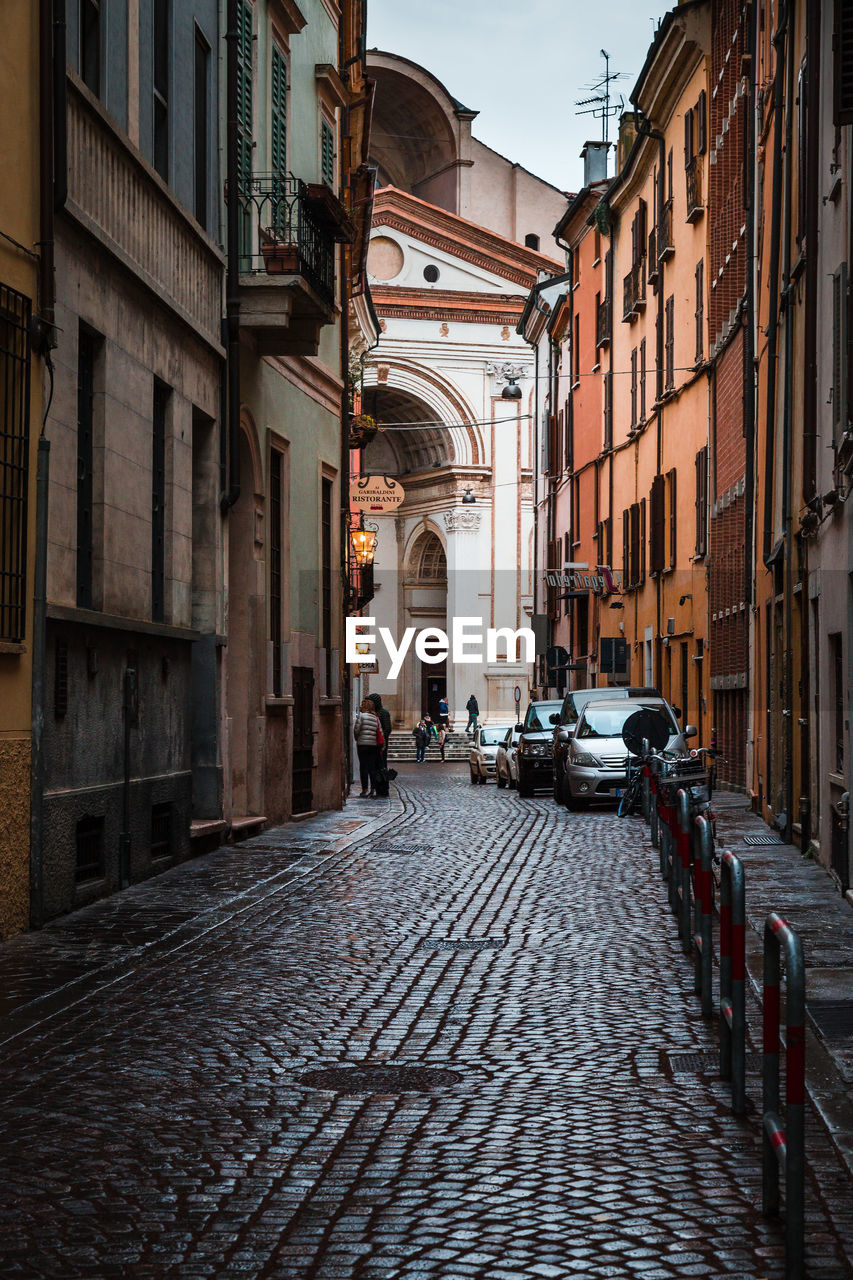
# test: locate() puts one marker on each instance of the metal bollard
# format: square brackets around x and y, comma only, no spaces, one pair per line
[704,907]
[684,818]
[786,1146]
[733,979]
[647,805]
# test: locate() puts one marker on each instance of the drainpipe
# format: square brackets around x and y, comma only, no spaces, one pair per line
[787,432]
[749,390]
[232,270]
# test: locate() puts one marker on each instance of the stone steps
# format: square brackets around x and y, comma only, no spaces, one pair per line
[402,747]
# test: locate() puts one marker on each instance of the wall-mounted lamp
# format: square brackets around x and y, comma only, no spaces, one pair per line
[468,498]
[512,391]
[688,596]
[616,604]
[363,546]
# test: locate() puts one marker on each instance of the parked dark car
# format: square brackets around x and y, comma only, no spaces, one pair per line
[535,744]
[564,726]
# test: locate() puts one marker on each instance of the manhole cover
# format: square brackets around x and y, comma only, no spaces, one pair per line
[384,1079]
[768,839]
[705,1063]
[460,944]
[833,1018]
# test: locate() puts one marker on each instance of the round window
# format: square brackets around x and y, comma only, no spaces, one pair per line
[431,274]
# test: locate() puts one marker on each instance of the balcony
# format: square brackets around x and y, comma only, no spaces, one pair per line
[634,291]
[665,246]
[288,231]
[695,207]
[602,323]
[360,587]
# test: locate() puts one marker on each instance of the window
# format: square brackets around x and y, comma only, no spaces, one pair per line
[840,355]
[431,273]
[576,353]
[689,151]
[700,311]
[278,112]
[671,478]
[634,544]
[843,64]
[326,563]
[244,91]
[685,680]
[702,502]
[839,699]
[161,87]
[90,45]
[327,153]
[702,123]
[531,241]
[276,493]
[14,453]
[634,387]
[430,561]
[669,344]
[657,516]
[158,501]
[608,410]
[643,380]
[86,355]
[200,125]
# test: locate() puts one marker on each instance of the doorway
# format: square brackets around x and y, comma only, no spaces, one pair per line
[303,740]
[433,687]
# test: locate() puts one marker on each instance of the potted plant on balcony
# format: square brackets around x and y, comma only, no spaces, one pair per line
[280,258]
[362,430]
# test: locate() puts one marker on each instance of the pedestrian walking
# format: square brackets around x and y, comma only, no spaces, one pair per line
[443,711]
[442,738]
[368,735]
[385,720]
[473,709]
[419,733]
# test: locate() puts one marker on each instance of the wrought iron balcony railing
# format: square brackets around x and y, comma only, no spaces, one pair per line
[283,232]
[634,291]
[695,207]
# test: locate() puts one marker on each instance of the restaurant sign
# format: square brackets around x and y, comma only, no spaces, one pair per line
[377,494]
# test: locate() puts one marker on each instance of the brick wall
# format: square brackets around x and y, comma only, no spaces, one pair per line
[727,119]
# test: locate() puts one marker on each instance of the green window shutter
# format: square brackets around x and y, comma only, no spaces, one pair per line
[327,154]
[244,89]
[278,112]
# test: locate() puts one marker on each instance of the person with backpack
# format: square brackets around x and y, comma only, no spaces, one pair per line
[419,733]
[369,739]
[473,709]
[385,720]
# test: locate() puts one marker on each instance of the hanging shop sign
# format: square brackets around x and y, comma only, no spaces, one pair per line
[375,493]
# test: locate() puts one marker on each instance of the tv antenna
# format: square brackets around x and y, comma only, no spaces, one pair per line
[599,105]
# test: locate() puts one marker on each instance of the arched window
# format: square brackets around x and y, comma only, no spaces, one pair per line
[428,560]
[531,241]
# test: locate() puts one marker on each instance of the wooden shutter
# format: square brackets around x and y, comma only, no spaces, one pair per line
[552,444]
[842,49]
[657,523]
[702,501]
[245,46]
[702,123]
[634,576]
[642,573]
[840,352]
[626,548]
[688,137]
[671,487]
[327,154]
[278,112]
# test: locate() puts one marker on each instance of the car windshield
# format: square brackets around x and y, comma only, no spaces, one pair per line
[575,702]
[491,737]
[606,721]
[539,716]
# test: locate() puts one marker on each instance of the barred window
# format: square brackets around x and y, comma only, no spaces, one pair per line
[429,560]
[14,458]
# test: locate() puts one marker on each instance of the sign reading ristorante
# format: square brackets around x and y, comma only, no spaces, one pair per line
[375,493]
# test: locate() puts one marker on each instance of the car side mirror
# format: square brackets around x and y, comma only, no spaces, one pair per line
[690,731]
[676,711]
[519,728]
[555,719]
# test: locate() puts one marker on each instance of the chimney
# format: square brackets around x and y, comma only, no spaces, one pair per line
[594,156]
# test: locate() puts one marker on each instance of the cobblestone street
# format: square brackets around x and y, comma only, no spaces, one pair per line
[160,1119]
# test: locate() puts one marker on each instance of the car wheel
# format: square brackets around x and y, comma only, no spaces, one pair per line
[473,776]
[524,789]
[501,781]
[481,778]
[573,804]
[557,788]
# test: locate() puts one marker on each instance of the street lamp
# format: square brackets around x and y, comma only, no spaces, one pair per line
[468,497]
[363,546]
[512,391]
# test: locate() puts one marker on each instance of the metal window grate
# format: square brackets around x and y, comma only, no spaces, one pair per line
[60,679]
[162,826]
[14,460]
[90,849]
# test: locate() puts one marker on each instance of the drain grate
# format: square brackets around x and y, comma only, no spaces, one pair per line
[381,1079]
[833,1018]
[770,838]
[704,1063]
[460,944]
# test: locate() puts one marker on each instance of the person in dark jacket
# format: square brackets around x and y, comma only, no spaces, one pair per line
[473,708]
[419,733]
[385,720]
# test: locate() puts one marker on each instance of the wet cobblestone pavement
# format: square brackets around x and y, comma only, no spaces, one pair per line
[160,1117]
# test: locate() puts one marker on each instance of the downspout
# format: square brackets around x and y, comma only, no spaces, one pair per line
[812,88]
[773,283]
[787,450]
[232,269]
[749,391]
[52,195]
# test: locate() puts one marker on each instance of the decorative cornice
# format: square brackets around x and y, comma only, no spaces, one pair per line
[462,521]
[447,304]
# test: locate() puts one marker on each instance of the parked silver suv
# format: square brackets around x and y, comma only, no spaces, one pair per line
[597,758]
[566,722]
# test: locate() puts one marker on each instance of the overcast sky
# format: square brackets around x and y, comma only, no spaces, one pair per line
[522,65]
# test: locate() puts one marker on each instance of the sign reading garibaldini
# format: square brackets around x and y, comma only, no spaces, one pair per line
[375,493]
